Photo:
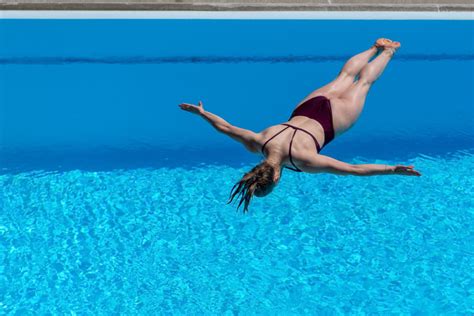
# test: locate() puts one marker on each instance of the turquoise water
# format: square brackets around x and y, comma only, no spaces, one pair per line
[161,241]
[112,200]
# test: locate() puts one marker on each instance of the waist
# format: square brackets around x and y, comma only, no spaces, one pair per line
[318,109]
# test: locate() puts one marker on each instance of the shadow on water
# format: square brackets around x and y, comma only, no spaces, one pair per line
[107,159]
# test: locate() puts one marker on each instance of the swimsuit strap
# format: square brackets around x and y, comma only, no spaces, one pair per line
[265,144]
[291,143]
[297,170]
[303,130]
[289,152]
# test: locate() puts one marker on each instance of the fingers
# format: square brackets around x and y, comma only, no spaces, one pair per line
[408,170]
[412,171]
[186,105]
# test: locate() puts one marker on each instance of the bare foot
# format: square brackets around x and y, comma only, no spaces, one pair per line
[386,43]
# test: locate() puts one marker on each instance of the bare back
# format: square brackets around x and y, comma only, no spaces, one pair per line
[302,144]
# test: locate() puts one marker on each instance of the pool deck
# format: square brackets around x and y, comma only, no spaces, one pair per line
[243,5]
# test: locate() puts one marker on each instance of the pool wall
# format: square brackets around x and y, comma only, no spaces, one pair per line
[90,86]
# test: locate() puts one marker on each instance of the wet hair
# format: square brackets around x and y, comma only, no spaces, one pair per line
[258,182]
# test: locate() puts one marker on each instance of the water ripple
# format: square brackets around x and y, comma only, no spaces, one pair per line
[163,241]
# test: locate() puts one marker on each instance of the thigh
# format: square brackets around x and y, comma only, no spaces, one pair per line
[334,89]
[348,106]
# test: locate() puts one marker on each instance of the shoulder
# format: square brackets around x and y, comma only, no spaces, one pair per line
[313,163]
[254,142]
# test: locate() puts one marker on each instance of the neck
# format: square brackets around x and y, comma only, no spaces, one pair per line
[274,160]
[276,163]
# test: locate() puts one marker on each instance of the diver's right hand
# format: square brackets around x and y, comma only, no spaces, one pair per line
[195,109]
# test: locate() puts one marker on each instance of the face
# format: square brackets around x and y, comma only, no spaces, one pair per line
[268,189]
[276,176]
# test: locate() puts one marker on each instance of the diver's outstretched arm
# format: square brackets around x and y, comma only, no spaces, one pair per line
[244,136]
[321,163]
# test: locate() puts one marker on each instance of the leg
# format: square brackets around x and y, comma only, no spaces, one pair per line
[354,66]
[345,77]
[349,105]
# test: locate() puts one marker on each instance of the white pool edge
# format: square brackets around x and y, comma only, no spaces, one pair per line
[238,15]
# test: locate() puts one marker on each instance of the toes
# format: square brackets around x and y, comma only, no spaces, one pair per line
[387,43]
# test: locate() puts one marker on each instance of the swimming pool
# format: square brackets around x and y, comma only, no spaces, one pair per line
[113,200]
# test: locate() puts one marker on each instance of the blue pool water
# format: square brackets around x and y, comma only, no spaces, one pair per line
[112,200]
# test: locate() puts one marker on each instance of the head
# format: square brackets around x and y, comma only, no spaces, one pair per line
[259,181]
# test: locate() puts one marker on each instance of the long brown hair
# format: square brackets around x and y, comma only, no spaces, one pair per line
[258,182]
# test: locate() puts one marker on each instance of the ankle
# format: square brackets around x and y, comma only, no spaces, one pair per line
[390,51]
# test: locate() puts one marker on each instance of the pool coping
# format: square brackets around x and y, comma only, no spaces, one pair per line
[235,15]
[257,5]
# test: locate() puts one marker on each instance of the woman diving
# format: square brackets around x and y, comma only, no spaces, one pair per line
[324,114]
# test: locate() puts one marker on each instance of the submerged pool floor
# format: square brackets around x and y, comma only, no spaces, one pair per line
[154,241]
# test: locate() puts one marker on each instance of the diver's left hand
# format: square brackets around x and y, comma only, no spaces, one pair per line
[195,109]
[406,171]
